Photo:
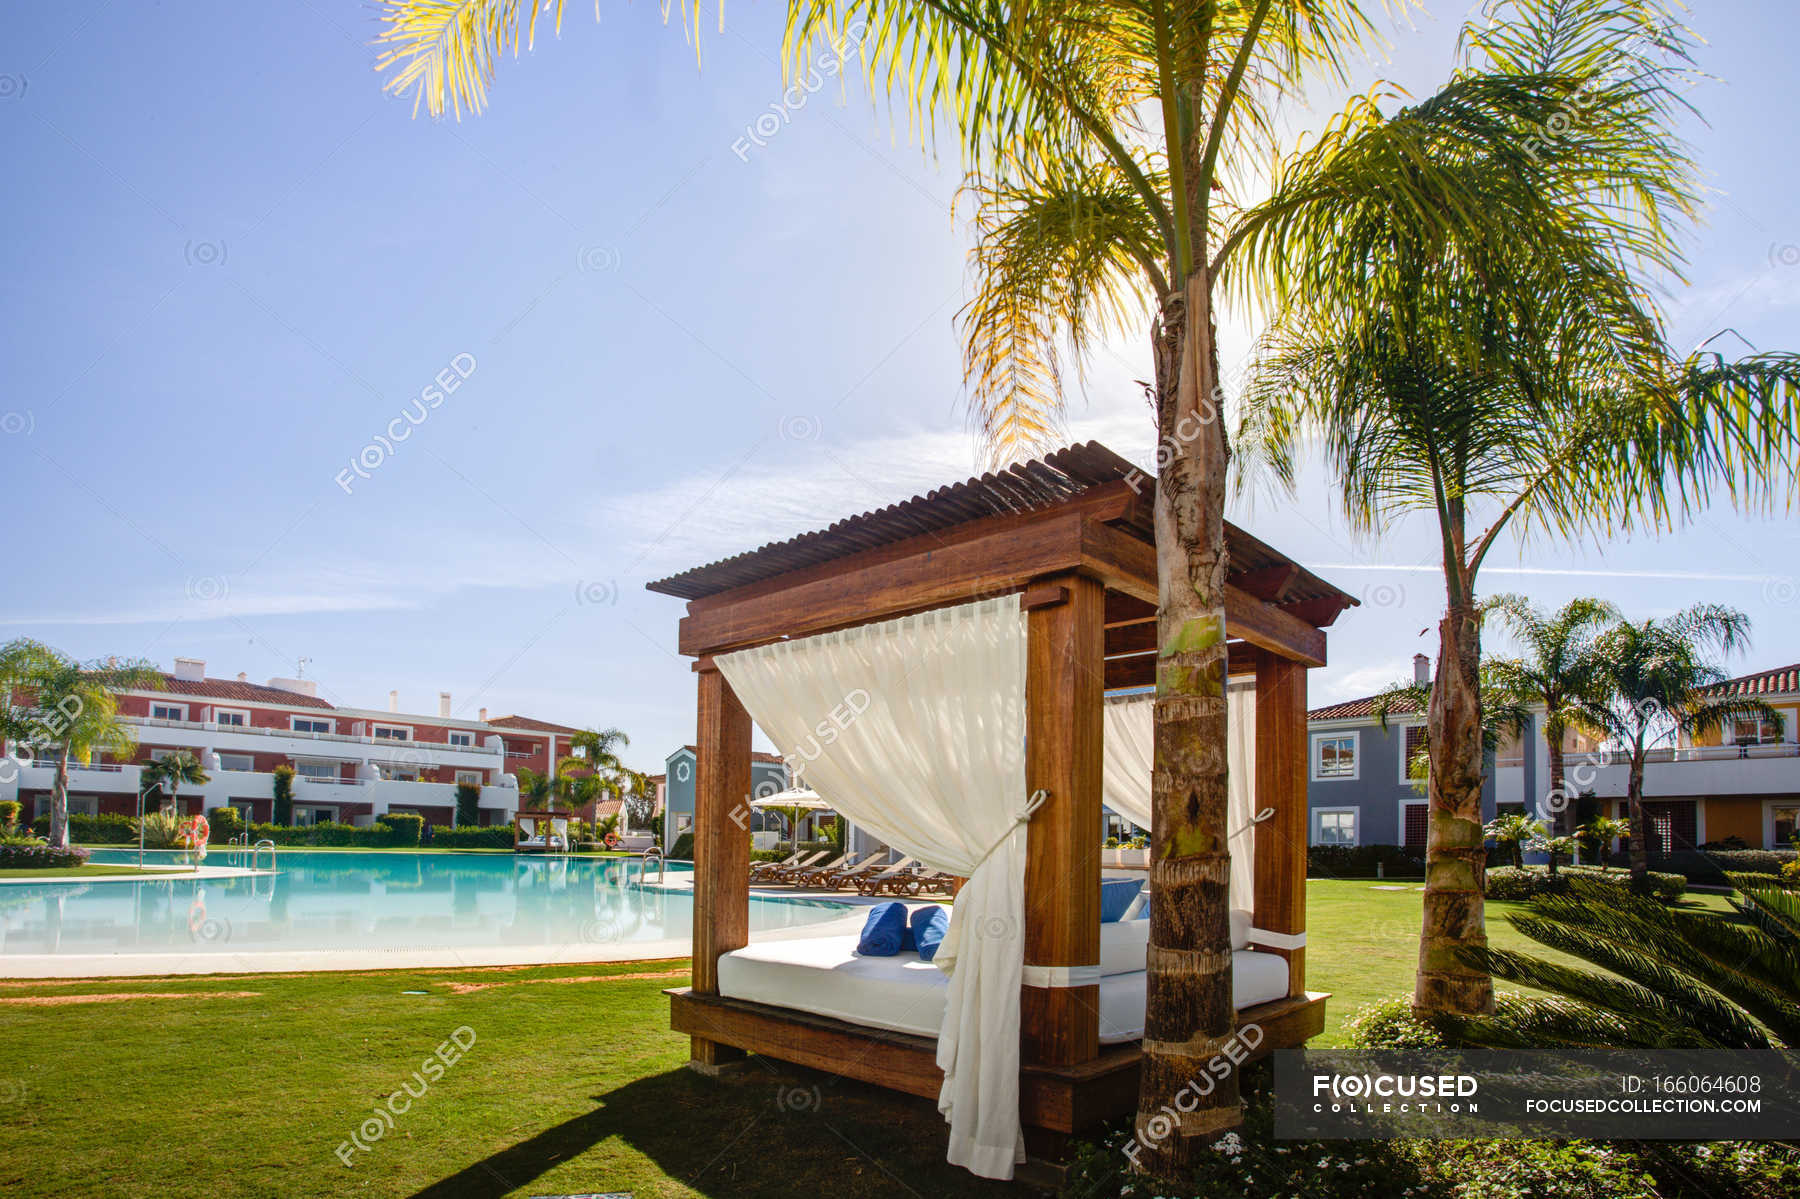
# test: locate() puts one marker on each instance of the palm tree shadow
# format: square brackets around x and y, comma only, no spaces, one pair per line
[767,1130]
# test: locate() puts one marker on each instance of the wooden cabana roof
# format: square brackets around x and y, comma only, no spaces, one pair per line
[1050,482]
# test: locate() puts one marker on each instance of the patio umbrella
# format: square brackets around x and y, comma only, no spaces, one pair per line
[793,804]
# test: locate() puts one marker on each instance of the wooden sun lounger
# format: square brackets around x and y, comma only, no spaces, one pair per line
[875,884]
[837,880]
[788,874]
[759,869]
[820,876]
[935,883]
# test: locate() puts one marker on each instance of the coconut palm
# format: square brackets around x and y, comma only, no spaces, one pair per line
[1520,383]
[167,773]
[1560,670]
[534,786]
[69,709]
[1661,685]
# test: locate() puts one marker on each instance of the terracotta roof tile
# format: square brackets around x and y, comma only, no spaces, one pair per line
[1357,707]
[1783,680]
[232,689]
[528,724]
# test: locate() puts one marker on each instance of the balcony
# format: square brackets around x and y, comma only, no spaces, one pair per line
[1670,772]
[345,747]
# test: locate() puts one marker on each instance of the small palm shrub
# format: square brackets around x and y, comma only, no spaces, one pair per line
[159,828]
[1672,979]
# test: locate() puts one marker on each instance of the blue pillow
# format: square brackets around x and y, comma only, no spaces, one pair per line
[929,924]
[1116,895]
[885,933]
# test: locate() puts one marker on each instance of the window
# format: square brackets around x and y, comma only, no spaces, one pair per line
[1334,756]
[306,815]
[168,711]
[389,732]
[469,776]
[1786,820]
[1415,824]
[316,770]
[236,762]
[1413,745]
[84,805]
[230,717]
[456,738]
[303,724]
[1752,730]
[1334,826]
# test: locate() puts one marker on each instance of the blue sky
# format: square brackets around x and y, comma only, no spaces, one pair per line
[232,261]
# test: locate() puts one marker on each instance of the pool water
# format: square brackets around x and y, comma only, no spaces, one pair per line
[345,900]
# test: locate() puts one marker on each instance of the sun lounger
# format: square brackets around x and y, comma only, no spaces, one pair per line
[935,883]
[788,874]
[759,869]
[818,875]
[877,883]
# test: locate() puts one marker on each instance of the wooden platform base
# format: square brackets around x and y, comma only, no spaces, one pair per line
[1054,1100]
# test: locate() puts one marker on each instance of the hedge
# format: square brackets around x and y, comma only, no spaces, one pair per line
[684,848]
[473,836]
[28,853]
[1360,861]
[1512,883]
[1709,866]
[108,828]
[9,812]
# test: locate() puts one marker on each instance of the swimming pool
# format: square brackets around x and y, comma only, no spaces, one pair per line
[429,908]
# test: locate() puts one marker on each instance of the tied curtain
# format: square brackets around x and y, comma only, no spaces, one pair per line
[1129,750]
[915,730]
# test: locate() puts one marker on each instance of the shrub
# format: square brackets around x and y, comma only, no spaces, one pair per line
[284,795]
[223,824]
[1665,886]
[468,804]
[768,855]
[684,848]
[1712,865]
[29,853]
[1392,1024]
[9,814]
[160,828]
[1790,874]
[108,828]
[1519,884]
[1360,861]
[403,828]
[473,836]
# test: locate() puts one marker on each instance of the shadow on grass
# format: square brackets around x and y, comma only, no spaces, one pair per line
[766,1129]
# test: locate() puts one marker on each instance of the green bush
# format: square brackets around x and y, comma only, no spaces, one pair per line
[1665,886]
[1360,861]
[284,795]
[404,829]
[1520,884]
[1392,1024]
[9,814]
[29,853]
[468,804]
[108,828]
[768,855]
[684,848]
[1790,874]
[473,836]
[1709,867]
[222,825]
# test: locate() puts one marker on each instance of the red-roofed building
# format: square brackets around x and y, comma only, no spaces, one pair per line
[350,764]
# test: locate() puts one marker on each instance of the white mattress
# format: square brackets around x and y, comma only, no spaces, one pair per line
[825,976]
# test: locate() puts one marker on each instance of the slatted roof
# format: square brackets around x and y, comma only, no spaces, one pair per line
[1027,487]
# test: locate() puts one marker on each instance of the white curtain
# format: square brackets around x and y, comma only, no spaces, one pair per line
[915,730]
[1130,740]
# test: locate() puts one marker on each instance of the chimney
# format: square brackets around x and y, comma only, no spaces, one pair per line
[1421,669]
[444,704]
[297,686]
[190,670]
[393,701]
[243,677]
[483,716]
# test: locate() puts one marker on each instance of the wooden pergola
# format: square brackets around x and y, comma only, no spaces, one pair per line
[1073,535]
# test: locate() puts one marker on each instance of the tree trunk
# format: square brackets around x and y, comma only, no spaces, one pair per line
[1559,796]
[1188,1017]
[59,802]
[1455,857]
[1640,829]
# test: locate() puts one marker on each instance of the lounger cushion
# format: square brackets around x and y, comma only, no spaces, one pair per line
[1116,895]
[929,924]
[826,976]
[885,933]
[1240,925]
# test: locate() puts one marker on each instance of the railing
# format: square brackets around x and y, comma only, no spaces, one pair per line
[257,730]
[109,767]
[331,782]
[258,848]
[1692,753]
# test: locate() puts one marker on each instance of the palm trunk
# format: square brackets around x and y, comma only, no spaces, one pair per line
[1640,830]
[1455,858]
[59,802]
[1559,787]
[1188,1016]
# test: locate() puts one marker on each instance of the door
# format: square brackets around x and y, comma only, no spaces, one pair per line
[1418,825]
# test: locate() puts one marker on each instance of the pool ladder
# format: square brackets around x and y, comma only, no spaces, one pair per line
[258,848]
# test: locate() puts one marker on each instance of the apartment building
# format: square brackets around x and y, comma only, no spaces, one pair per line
[350,764]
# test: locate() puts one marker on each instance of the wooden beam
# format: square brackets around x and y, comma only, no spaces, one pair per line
[1319,613]
[1129,565]
[1063,685]
[721,844]
[1139,670]
[1269,583]
[1280,849]
[1043,595]
[1131,639]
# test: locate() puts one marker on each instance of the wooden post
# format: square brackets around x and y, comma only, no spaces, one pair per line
[721,845]
[1281,784]
[1060,1024]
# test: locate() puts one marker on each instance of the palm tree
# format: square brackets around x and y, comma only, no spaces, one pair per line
[1601,832]
[1669,979]
[167,773]
[1512,831]
[1509,382]
[1504,713]
[58,705]
[1105,141]
[1561,671]
[1661,685]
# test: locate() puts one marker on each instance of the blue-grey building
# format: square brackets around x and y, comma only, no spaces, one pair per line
[1358,789]
[768,775]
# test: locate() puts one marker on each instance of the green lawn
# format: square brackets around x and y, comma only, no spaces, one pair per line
[87,870]
[247,1085]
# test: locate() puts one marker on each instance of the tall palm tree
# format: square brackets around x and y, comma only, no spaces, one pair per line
[69,709]
[1109,145]
[1561,670]
[1518,382]
[534,786]
[168,772]
[1660,685]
